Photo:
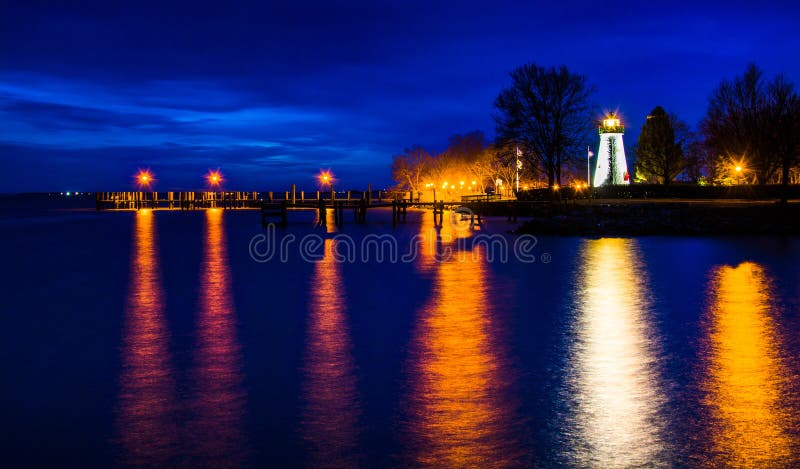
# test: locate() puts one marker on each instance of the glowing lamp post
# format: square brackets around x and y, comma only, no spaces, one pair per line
[214,178]
[144,179]
[325,178]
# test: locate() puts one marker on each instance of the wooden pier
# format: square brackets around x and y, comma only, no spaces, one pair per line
[198,200]
[175,200]
[274,206]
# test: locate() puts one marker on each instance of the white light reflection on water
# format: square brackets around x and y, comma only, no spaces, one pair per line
[616,414]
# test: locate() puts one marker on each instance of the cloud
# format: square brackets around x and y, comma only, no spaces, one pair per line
[81,128]
[274,90]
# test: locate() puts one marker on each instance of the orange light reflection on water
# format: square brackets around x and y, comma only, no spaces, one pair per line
[219,398]
[459,409]
[437,244]
[746,380]
[147,405]
[331,404]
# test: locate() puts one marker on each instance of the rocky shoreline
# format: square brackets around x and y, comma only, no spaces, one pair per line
[666,218]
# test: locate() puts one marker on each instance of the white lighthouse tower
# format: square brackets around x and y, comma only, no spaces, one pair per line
[611,166]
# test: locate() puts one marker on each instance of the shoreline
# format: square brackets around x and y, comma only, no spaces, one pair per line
[629,218]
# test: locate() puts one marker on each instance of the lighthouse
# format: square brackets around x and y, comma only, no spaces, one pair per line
[611,167]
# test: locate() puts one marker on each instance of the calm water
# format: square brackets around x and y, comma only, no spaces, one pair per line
[155,339]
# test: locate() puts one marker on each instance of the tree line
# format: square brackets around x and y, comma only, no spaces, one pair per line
[469,163]
[544,118]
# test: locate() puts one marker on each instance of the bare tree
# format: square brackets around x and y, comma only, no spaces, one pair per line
[748,120]
[410,168]
[467,147]
[504,165]
[546,112]
[696,157]
[483,168]
[783,125]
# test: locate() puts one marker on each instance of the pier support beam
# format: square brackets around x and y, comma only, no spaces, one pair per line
[322,213]
[438,213]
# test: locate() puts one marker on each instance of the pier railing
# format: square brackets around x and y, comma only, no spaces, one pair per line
[481,198]
[193,200]
[175,200]
[274,205]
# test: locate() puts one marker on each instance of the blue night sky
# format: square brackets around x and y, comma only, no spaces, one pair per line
[273,92]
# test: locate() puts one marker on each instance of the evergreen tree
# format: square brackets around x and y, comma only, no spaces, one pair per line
[659,157]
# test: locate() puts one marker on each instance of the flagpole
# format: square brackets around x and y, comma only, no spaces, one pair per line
[588,166]
[517,167]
